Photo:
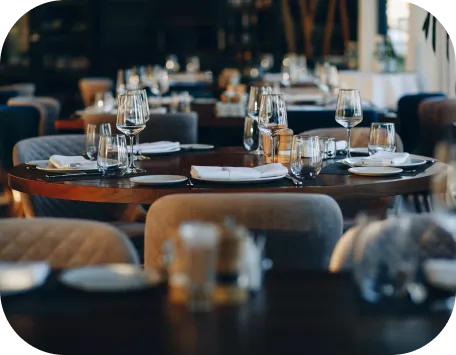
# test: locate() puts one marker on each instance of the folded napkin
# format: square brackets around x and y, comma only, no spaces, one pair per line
[157,147]
[341,145]
[232,173]
[22,275]
[72,162]
[385,159]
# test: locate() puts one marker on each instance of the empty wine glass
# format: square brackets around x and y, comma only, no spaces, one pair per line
[112,157]
[93,133]
[382,138]
[349,112]
[131,121]
[306,158]
[272,118]
[252,136]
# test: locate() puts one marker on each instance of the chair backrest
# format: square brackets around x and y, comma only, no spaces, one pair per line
[41,148]
[317,217]
[408,113]
[175,127]
[22,89]
[64,243]
[359,136]
[49,111]
[16,123]
[90,86]
[385,240]
[7,94]
[300,121]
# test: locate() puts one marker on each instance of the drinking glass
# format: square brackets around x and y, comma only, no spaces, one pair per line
[193,64]
[306,158]
[112,157]
[200,241]
[172,63]
[267,61]
[252,136]
[349,112]
[272,118]
[382,138]
[131,121]
[93,137]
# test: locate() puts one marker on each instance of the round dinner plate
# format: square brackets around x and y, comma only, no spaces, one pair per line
[110,278]
[158,179]
[250,181]
[44,166]
[441,273]
[197,146]
[375,171]
[410,162]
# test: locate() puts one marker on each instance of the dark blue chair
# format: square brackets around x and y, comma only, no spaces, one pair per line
[408,113]
[301,121]
[5,95]
[16,124]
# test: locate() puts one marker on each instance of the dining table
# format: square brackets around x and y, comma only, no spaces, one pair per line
[295,312]
[353,193]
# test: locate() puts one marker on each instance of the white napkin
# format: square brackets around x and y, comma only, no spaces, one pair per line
[341,145]
[22,275]
[71,162]
[157,147]
[233,173]
[385,159]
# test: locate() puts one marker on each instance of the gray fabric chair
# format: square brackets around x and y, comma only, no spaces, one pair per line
[316,217]
[41,148]
[49,111]
[64,243]
[175,127]
[23,89]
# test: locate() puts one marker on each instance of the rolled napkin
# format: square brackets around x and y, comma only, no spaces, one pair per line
[20,276]
[385,159]
[157,147]
[72,162]
[233,173]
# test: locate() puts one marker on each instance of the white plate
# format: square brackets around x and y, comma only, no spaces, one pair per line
[408,163]
[197,146]
[110,278]
[158,179]
[441,273]
[375,171]
[250,181]
[44,166]
[158,152]
[364,150]
[20,277]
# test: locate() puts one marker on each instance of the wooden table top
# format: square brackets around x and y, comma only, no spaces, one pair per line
[122,190]
[302,312]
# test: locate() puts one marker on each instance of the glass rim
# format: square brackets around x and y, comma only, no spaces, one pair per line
[382,124]
[114,136]
[349,90]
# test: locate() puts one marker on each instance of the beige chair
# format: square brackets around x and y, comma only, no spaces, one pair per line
[317,217]
[359,136]
[64,243]
[100,118]
[49,111]
[90,86]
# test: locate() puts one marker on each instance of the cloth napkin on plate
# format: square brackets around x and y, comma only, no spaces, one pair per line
[385,159]
[232,173]
[157,147]
[72,162]
[21,276]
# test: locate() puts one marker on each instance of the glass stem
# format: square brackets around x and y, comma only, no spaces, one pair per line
[348,142]
[132,156]
[273,148]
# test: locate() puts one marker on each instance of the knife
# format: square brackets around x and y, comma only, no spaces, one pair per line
[64,176]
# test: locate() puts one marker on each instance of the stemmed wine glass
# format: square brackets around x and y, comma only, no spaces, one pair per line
[349,112]
[252,136]
[272,118]
[131,121]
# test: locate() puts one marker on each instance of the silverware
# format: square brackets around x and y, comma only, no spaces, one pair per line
[189,179]
[295,181]
[64,176]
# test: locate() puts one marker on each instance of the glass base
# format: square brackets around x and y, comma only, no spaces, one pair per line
[256,152]
[135,171]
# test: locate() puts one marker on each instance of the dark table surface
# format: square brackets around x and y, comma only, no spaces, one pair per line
[295,313]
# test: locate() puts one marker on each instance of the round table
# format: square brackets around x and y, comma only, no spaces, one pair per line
[340,187]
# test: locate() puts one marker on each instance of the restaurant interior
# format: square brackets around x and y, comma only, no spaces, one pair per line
[228,177]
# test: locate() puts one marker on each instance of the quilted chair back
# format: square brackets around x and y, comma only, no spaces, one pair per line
[41,148]
[64,243]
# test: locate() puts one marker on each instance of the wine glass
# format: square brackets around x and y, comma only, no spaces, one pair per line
[349,111]
[252,136]
[131,121]
[112,159]
[272,118]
